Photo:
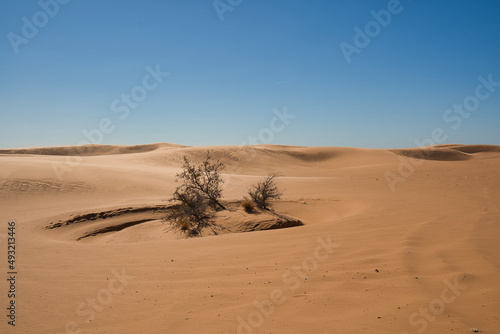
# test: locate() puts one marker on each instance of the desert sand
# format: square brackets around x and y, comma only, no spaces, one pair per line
[392,241]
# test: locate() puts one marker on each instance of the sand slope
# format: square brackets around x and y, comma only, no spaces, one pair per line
[394,241]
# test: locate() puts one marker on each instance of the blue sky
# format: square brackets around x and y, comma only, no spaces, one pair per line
[227,76]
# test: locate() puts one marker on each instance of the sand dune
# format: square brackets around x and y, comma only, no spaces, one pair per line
[95,253]
[88,150]
[472,148]
[448,152]
[438,154]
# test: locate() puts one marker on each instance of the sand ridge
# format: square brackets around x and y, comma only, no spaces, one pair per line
[233,220]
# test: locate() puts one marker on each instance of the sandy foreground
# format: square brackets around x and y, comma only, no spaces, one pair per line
[393,241]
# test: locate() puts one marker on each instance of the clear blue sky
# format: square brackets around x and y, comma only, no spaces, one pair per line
[226,76]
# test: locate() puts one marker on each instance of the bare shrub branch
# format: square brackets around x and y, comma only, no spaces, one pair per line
[264,191]
[191,215]
[204,178]
[200,189]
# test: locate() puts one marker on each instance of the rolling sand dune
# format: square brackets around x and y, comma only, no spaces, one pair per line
[346,252]
[439,154]
[88,150]
[447,152]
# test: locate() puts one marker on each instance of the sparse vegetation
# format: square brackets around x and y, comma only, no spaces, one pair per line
[264,191]
[203,179]
[184,224]
[200,189]
[248,205]
[200,192]
[191,215]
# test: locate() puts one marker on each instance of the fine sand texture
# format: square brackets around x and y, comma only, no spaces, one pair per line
[362,241]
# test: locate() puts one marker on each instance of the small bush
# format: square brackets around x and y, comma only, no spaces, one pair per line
[200,189]
[184,224]
[204,178]
[248,205]
[264,191]
[191,214]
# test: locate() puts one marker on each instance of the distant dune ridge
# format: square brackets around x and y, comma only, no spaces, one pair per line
[447,152]
[422,256]
[88,150]
[306,153]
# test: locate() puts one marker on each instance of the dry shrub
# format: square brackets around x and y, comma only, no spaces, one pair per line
[248,205]
[264,191]
[184,224]
[200,188]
